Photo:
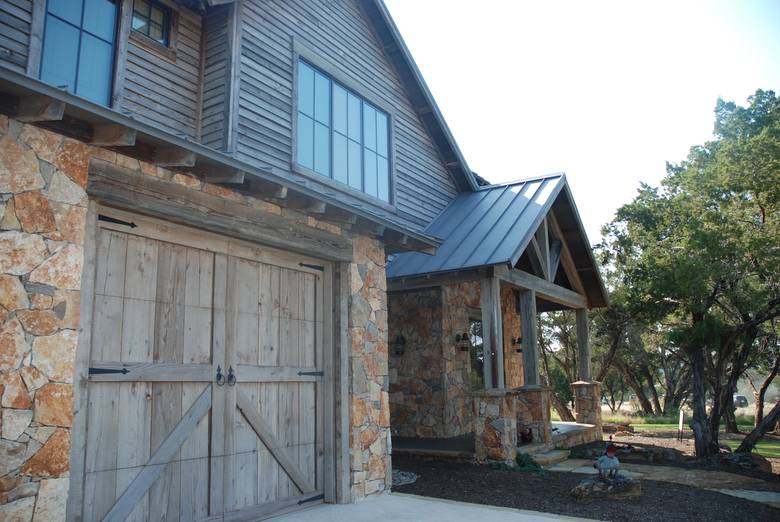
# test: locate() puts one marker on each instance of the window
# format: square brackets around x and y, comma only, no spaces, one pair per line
[78,47]
[476,355]
[153,20]
[341,135]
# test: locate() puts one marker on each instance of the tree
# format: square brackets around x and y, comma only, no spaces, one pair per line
[703,250]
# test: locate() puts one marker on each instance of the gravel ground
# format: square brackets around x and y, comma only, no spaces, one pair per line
[550,493]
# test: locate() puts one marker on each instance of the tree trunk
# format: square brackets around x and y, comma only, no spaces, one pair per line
[738,367]
[749,442]
[563,412]
[704,446]
[636,386]
[728,414]
[653,391]
[762,391]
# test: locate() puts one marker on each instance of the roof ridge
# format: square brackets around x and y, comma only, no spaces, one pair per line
[560,174]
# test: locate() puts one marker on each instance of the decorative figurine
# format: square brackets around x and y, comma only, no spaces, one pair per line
[608,465]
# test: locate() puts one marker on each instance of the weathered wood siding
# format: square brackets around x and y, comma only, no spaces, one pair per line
[215,77]
[15,19]
[340,34]
[165,92]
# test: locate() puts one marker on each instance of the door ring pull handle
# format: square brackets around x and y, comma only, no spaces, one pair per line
[231,378]
[220,377]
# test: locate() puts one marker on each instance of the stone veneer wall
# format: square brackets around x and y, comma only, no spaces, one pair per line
[416,393]
[513,360]
[43,207]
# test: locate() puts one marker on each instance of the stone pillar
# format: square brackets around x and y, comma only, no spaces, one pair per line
[533,412]
[587,403]
[530,339]
[495,426]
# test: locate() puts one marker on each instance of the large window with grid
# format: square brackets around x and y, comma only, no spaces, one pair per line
[341,135]
[78,47]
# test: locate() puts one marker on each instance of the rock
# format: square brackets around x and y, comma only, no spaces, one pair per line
[32,377]
[40,301]
[52,497]
[13,345]
[12,293]
[62,270]
[11,456]
[54,355]
[52,459]
[595,488]
[15,393]
[38,322]
[18,168]
[63,190]
[54,405]
[33,212]
[28,489]
[15,422]
[8,219]
[44,143]
[614,428]
[18,511]
[66,307]
[20,252]
[71,222]
[73,160]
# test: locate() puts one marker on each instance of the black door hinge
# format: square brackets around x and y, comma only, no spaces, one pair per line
[109,219]
[97,371]
[313,267]
[315,374]
[312,499]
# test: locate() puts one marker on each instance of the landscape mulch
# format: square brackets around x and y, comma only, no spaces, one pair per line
[550,493]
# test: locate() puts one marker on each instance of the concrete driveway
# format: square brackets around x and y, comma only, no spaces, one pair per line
[397,507]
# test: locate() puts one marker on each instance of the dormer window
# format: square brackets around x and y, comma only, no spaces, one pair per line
[153,20]
[341,135]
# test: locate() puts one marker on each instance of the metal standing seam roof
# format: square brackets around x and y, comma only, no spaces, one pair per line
[490,226]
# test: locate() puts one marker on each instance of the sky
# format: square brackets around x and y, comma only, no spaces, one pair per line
[606,91]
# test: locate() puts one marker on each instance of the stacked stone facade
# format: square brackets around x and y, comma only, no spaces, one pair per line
[587,404]
[43,209]
[495,426]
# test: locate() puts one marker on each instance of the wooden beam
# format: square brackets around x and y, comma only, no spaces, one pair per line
[316,207]
[39,108]
[486,305]
[567,260]
[536,257]
[492,328]
[174,157]
[530,337]
[336,215]
[112,135]
[413,283]
[583,346]
[555,257]
[229,178]
[267,189]
[543,241]
[131,190]
[545,289]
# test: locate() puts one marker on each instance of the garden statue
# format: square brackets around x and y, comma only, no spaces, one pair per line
[608,465]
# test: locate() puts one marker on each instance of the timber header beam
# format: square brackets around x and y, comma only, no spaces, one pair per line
[544,289]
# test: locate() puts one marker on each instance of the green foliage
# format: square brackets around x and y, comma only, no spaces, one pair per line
[560,384]
[526,463]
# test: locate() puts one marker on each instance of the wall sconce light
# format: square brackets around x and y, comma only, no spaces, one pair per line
[518,341]
[399,345]
[462,341]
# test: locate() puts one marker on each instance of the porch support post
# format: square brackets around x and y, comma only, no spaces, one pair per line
[530,338]
[492,332]
[583,346]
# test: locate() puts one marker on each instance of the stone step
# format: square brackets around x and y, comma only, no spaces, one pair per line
[551,457]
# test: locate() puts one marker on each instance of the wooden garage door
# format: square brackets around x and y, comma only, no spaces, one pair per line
[205,382]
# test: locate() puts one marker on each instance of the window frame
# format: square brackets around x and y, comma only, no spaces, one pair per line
[138,38]
[325,67]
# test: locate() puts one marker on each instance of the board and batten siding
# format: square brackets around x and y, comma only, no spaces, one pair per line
[339,33]
[165,92]
[15,22]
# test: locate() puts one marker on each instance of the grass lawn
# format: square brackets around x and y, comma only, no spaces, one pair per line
[765,448]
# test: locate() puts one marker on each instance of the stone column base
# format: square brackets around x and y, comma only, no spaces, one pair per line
[587,403]
[495,426]
[533,412]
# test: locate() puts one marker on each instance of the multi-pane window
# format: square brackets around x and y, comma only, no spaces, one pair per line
[342,136]
[153,20]
[78,47]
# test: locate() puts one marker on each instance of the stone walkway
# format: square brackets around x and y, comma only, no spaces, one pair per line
[720,481]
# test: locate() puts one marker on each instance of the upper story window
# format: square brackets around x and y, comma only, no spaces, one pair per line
[78,47]
[153,20]
[341,135]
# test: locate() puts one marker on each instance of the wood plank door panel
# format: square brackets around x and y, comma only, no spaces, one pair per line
[167,440]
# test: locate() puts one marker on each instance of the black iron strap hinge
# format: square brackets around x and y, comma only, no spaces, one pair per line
[321,496]
[313,267]
[109,219]
[96,371]
[315,374]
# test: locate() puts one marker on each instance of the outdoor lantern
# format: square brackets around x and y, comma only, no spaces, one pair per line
[399,345]
[518,341]
[462,341]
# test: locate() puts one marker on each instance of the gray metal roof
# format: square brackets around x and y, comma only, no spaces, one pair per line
[489,226]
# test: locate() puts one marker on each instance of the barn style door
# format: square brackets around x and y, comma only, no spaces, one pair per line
[205,379]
